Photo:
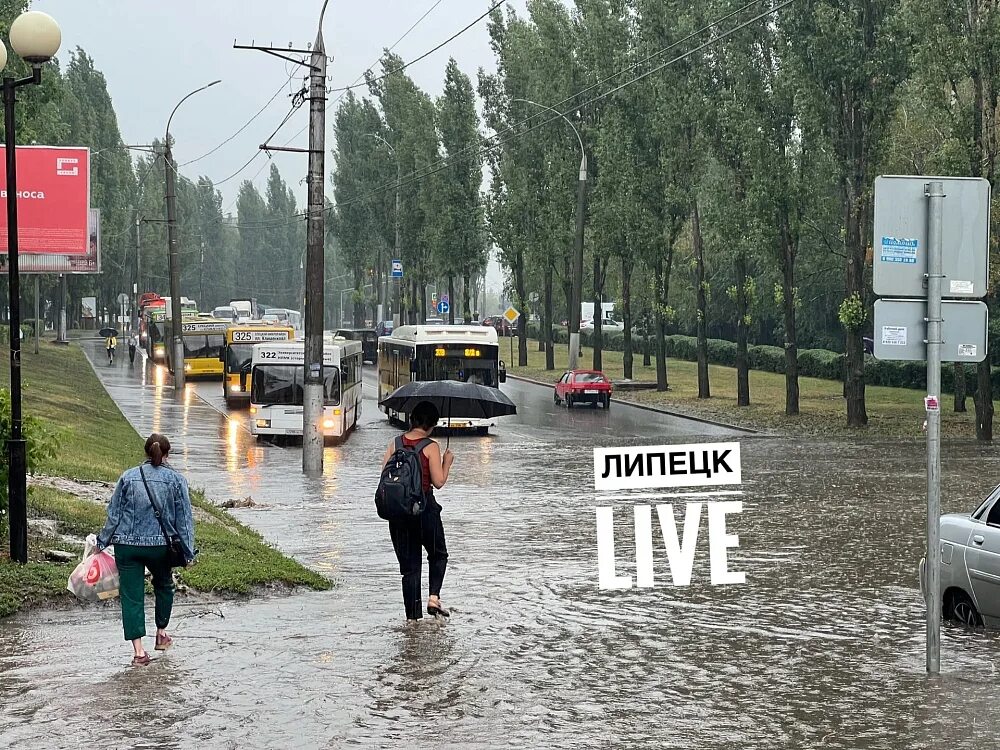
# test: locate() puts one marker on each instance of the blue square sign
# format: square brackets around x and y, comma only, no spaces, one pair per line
[397,269]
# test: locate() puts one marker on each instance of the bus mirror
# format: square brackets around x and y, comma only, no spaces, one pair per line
[413,367]
[503,372]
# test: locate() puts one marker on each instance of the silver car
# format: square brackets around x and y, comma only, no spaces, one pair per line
[970,565]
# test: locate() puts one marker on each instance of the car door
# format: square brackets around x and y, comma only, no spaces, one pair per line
[561,385]
[983,560]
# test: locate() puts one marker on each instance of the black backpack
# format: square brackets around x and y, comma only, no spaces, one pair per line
[400,492]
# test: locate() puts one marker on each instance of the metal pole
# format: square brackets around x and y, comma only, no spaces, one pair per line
[138,281]
[37,308]
[577,296]
[177,343]
[61,337]
[17,491]
[935,194]
[312,433]
[398,281]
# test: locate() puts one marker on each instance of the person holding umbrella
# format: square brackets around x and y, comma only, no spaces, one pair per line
[424,530]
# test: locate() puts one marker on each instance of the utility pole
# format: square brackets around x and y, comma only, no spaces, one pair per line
[176,343]
[137,284]
[312,397]
[312,413]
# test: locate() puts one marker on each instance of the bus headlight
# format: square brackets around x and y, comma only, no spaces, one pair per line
[264,423]
[328,424]
[187,367]
[253,409]
[235,389]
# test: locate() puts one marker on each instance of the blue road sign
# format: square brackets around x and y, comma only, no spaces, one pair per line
[397,269]
[443,307]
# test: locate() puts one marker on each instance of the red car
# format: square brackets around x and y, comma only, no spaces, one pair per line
[583,386]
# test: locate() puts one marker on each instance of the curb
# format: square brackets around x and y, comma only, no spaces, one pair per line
[656,409]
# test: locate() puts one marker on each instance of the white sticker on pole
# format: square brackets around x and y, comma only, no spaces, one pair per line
[931,403]
[899,250]
[960,287]
[967,350]
[649,466]
[893,335]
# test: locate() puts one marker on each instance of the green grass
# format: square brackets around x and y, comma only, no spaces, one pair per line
[97,443]
[891,411]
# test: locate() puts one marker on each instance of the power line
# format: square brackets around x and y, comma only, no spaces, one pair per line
[428,53]
[245,125]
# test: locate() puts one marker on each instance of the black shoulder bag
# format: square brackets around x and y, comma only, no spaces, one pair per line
[175,550]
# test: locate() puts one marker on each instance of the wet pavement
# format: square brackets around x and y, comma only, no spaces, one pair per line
[822,647]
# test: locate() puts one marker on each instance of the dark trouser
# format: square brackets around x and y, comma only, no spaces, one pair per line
[132,563]
[408,536]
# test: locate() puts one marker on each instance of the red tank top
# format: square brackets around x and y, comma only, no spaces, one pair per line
[425,464]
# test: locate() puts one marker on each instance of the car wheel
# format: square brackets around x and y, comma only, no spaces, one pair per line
[569,402]
[607,402]
[555,399]
[964,612]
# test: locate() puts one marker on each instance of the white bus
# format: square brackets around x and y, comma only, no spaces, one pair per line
[276,388]
[439,352]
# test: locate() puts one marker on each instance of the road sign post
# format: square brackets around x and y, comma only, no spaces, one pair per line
[511,315]
[921,242]
[396,273]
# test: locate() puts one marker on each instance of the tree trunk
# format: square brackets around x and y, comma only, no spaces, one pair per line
[357,304]
[855,206]
[742,329]
[960,388]
[522,329]
[660,293]
[598,313]
[627,316]
[422,291]
[704,387]
[788,251]
[466,300]
[451,296]
[546,319]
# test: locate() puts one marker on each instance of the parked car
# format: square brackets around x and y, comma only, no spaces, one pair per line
[583,387]
[970,565]
[606,325]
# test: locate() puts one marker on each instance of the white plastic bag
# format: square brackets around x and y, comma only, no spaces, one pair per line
[96,578]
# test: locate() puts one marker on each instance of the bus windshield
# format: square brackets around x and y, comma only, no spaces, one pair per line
[238,356]
[202,346]
[282,384]
[481,370]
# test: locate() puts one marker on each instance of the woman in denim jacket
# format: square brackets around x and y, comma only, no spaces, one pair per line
[139,543]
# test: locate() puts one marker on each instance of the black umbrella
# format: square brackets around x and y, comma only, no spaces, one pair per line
[452,398]
[105,332]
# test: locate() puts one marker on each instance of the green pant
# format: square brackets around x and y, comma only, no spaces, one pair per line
[132,563]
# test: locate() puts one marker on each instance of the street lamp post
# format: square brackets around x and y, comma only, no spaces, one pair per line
[581,218]
[399,178]
[170,175]
[36,37]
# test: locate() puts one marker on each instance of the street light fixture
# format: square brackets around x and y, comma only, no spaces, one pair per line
[170,174]
[36,37]
[581,212]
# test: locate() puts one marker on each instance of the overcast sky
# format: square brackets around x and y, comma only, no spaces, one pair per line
[153,52]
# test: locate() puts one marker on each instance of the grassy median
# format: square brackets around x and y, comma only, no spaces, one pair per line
[891,411]
[96,444]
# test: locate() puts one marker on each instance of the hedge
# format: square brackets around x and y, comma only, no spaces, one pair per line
[813,363]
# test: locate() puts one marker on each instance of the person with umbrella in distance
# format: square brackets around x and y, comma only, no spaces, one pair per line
[425,530]
[110,342]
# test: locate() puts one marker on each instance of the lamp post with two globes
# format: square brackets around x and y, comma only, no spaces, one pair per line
[36,37]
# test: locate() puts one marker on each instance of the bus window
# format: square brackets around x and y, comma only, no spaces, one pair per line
[238,357]
[199,346]
[331,386]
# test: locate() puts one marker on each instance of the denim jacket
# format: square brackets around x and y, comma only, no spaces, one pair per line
[130,515]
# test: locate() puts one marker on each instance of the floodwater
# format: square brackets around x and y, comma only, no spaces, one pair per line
[822,647]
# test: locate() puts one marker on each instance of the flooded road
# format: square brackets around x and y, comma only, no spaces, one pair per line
[822,647]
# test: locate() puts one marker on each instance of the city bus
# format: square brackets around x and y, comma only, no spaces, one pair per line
[203,340]
[152,330]
[276,388]
[436,352]
[237,356]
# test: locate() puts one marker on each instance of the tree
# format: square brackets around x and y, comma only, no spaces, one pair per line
[850,58]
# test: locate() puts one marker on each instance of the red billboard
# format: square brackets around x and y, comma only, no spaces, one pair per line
[53,200]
